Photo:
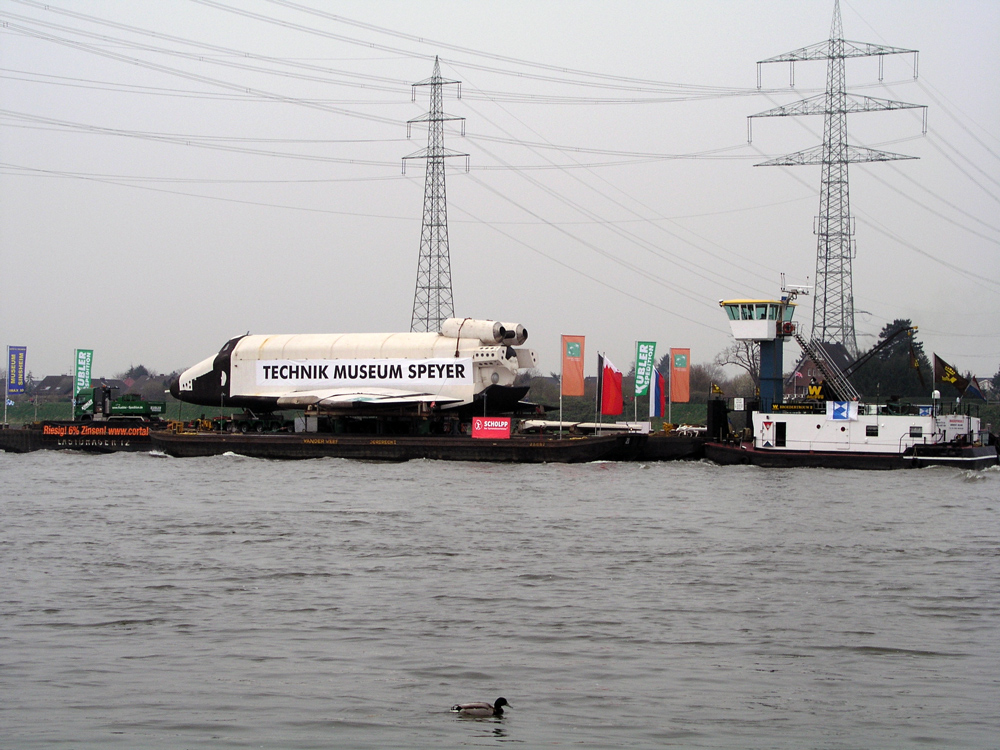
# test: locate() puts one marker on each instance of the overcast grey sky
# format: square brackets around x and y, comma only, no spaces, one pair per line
[177,173]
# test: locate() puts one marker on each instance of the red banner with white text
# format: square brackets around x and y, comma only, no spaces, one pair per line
[495,428]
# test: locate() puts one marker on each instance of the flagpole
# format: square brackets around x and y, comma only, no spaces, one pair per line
[635,383]
[6,388]
[670,395]
[562,358]
[670,390]
[600,387]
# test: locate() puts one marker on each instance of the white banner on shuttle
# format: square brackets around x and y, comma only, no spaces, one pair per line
[337,373]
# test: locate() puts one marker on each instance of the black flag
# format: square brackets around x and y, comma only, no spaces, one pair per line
[948,374]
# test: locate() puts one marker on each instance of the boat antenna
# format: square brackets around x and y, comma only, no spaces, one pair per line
[789,293]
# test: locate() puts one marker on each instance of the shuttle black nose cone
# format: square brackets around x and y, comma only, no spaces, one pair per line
[175,387]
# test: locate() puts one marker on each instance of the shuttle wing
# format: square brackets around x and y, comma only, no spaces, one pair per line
[334,396]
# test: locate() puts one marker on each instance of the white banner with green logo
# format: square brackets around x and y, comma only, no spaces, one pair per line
[84,363]
[645,361]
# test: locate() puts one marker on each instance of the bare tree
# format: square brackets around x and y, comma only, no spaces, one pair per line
[705,375]
[742,385]
[746,356]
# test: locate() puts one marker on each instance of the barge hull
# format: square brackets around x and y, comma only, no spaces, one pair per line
[519,449]
[90,437]
[672,448]
[973,458]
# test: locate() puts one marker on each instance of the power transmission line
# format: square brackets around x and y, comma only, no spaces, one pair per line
[833,300]
[433,301]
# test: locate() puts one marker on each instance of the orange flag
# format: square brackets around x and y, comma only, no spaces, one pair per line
[680,369]
[572,365]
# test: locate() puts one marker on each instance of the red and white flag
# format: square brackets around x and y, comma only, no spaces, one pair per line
[611,387]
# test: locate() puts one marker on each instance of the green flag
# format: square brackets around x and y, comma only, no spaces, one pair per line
[84,361]
[645,359]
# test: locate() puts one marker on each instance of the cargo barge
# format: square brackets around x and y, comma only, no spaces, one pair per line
[91,437]
[389,397]
[94,438]
[375,397]
[516,449]
[101,424]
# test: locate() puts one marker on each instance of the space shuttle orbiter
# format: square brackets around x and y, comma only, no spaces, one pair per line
[470,363]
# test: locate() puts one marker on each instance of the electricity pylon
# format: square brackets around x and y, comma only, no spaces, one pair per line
[833,302]
[432,300]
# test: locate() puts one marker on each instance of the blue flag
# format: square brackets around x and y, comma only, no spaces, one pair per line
[841,411]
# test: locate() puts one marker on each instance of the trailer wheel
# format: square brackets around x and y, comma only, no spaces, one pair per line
[259,427]
[243,427]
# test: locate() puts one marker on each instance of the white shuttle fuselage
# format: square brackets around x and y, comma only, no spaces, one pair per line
[468,362]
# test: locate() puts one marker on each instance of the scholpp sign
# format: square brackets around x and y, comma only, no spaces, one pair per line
[491,427]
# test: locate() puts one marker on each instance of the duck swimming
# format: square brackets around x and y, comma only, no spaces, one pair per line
[481,709]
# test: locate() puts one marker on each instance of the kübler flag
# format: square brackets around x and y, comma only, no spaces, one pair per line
[645,361]
[84,362]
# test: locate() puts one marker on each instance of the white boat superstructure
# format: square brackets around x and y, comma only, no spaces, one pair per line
[862,428]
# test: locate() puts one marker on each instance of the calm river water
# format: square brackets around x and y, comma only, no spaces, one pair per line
[150,602]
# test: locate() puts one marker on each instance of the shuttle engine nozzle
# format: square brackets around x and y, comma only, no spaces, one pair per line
[489,332]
